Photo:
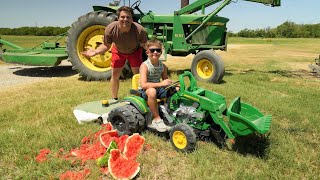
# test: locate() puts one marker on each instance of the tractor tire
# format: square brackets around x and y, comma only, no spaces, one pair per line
[141,121]
[207,66]
[183,138]
[126,120]
[1,51]
[88,32]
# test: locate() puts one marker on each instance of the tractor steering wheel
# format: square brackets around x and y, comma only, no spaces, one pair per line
[136,4]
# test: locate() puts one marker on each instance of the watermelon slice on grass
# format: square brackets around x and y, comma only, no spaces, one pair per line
[133,146]
[107,137]
[121,167]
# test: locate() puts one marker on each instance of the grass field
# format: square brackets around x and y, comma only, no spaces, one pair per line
[270,74]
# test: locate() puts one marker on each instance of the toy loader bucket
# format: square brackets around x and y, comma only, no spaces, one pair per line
[245,119]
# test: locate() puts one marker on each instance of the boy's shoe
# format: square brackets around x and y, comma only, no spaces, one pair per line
[158,125]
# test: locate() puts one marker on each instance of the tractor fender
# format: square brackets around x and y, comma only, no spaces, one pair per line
[138,102]
[112,9]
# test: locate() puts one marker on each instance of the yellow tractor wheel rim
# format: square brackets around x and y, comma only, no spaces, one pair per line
[92,37]
[205,69]
[179,139]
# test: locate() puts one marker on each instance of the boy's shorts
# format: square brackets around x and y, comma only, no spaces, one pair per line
[118,60]
[161,93]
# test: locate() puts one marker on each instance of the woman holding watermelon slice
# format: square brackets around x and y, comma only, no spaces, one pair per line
[151,71]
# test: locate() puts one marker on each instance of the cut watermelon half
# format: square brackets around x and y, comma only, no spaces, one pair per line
[120,167]
[133,146]
[107,137]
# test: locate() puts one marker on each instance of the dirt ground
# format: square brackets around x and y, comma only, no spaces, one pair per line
[15,74]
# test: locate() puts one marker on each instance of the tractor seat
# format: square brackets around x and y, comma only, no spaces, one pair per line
[135,84]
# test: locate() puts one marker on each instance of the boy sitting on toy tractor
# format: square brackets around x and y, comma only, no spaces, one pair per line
[152,88]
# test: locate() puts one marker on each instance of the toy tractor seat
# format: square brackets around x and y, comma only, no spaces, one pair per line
[135,84]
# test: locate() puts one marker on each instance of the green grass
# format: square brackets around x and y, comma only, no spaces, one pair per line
[287,41]
[29,41]
[271,76]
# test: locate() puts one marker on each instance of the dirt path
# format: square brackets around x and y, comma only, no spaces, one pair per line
[16,74]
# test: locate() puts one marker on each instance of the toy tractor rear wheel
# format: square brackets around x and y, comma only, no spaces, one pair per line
[127,120]
[207,66]
[183,138]
[141,121]
[88,32]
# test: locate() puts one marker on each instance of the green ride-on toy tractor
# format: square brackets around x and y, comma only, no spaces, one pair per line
[194,113]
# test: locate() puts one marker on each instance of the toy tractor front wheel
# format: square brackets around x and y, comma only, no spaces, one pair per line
[183,138]
[85,33]
[207,66]
[127,120]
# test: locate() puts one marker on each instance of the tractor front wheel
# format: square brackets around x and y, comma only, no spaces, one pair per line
[183,138]
[207,66]
[88,32]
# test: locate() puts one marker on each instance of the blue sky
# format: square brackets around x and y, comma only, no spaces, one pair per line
[242,14]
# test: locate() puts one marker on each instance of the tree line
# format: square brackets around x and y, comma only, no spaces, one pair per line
[286,30]
[34,31]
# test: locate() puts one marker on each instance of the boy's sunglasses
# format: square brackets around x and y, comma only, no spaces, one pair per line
[152,50]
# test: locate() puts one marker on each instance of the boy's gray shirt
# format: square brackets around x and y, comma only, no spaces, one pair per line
[154,72]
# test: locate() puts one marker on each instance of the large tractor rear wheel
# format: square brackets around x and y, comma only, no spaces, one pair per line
[87,32]
[207,66]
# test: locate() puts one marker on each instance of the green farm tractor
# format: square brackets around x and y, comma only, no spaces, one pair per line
[192,112]
[183,32]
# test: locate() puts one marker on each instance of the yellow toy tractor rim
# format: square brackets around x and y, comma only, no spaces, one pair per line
[179,139]
[205,68]
[92,37]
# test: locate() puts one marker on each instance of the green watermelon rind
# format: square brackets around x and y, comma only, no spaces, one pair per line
[112,145]
[103,160]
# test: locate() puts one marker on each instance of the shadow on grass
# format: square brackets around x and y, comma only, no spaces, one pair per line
[58,71]
[284,73]
[254,144]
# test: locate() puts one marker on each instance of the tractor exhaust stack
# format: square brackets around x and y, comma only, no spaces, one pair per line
[184,3]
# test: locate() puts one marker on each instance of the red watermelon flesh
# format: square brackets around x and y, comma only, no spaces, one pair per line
[107,137]
[107,126]
[89,151]
[133,146]
[120,167]
[121,141]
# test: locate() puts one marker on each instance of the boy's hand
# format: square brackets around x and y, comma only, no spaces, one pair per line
[166,82]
